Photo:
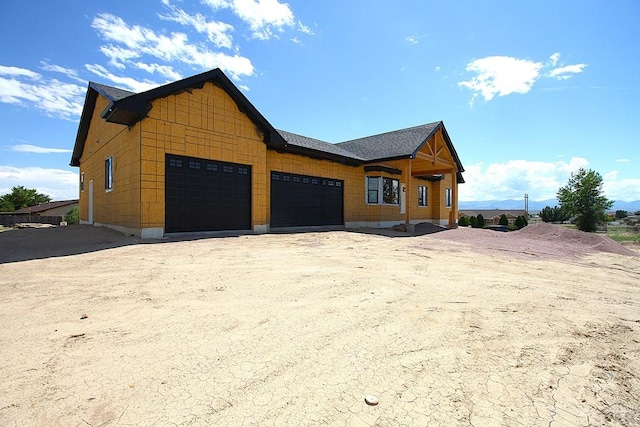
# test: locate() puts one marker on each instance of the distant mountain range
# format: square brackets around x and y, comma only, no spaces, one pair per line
[536,206]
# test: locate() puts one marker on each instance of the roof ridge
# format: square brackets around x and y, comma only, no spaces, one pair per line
[391,132]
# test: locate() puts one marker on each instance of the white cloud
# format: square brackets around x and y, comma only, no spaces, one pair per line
[28,148]
[623,160]
[72,74]
[626,189]
[566,72]
[217,32]
[504,75]
[265,17]
[59,184]
[412,39]
[304,29]
[18,72]
[134,41]
[163,70]
[30,89]
[510,180]
[501,75]
[123,82]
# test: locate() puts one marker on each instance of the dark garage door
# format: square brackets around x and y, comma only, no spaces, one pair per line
[301,200]
[206,195]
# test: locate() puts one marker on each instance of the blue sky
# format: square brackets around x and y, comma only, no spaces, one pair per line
[529,91]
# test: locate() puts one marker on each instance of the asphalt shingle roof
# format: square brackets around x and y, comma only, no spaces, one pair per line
[399,143]
[316,144]
[110,92]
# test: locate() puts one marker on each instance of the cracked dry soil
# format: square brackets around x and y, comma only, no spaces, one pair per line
[296,329]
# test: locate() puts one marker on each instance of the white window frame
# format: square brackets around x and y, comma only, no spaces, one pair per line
[447,197]
[380,190]
[423,193]
[108,174]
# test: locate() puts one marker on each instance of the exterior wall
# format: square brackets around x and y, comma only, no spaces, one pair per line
[204,123]
[291,163]
[121,205]
[59,211]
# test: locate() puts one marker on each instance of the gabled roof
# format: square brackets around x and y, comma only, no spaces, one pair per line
[400,144]
[46,206]
[391,145]
[127,108]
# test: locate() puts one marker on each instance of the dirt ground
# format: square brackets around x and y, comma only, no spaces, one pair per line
[463,327]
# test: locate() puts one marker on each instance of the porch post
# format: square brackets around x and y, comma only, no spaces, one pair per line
[407,199]
[453,214]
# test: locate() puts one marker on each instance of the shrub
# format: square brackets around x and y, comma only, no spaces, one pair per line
[520,222]
[463,221]
[479,221]
[72,217]
[472,221]
[503,220]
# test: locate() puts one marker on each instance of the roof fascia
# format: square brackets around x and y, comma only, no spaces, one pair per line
[83,128]
[140,104]
[316,154]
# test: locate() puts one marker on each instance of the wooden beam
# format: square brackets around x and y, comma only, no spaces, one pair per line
[432,171]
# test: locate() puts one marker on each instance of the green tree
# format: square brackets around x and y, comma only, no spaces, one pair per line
[479,221]
[520,222]
[473,221]
[72,217]
[463,221]
[21,197]
[582,197]
[503,220]
[554,214]
[621,214]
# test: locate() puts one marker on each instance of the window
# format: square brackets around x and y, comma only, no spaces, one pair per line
[372,190]
[383,190]
[447,197]
[212,167]
[194,165]
[390,191]
[108,174]
[82,181]
[422,196]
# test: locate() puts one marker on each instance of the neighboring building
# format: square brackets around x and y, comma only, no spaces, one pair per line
[492,216]
[59,208]
[195,155]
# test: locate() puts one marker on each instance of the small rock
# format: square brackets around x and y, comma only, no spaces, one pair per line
[371,400]
[84,316]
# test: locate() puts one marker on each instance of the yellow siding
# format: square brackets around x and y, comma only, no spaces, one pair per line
[204,123]
[120,206]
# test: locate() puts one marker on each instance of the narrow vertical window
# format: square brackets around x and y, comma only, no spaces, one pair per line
[108,173]
[422,196]
[372,189]
[82,181]
[447,197]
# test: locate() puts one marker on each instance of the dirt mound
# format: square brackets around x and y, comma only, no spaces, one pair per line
[590,241]
[539,240]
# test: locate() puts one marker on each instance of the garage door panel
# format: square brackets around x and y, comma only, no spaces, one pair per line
[302,200]
[199,196]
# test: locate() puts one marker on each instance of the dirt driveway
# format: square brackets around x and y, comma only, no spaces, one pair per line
[458,328]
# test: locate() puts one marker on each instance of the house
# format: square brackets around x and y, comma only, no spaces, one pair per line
[195,155]
[492,216]
[59,208]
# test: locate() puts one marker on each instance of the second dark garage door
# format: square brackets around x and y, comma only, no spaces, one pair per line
[301,200]
[206,195]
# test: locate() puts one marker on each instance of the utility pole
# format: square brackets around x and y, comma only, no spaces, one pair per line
[526,204]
